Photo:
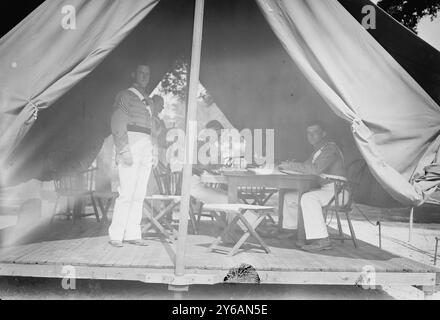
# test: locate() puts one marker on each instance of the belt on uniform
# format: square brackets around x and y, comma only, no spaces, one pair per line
[133,128]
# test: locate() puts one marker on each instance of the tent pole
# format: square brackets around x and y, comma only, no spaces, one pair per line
[191,136]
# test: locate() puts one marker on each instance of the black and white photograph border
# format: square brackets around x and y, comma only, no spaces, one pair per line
[220,150]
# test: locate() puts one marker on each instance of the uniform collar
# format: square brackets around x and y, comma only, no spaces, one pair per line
[138,88]
[321,145]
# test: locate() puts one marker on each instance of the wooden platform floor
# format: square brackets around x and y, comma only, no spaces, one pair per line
[48,251]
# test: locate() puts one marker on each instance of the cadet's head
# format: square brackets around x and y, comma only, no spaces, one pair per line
[316,133]
[158,104]
[141,75]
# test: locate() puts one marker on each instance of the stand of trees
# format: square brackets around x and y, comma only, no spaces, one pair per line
[410,12]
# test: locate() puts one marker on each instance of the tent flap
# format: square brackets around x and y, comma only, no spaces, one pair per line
[394,119]
[42,58]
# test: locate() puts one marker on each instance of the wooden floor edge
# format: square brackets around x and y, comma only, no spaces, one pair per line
[211,277]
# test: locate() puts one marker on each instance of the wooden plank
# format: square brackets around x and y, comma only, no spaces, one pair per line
[107,257]
[119,256]
[152,259]
[139,260]
[215,276]
[345,278]
[386,261]
[64,255]
[160,257]
[15,253]
[38,256]
[85,251]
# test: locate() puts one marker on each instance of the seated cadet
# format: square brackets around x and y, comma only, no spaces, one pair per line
[326,159]
[201,191]
[209,195]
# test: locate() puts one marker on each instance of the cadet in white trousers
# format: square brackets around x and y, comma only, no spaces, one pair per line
[131,129]
[326,159]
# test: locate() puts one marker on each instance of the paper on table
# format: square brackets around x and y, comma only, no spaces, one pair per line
[264,171]
[233,170]
[291,172]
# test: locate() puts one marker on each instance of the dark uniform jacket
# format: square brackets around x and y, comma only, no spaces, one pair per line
[327,160]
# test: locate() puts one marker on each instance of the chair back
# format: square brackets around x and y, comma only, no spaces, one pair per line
[345,190]
[168,182]
[75,183]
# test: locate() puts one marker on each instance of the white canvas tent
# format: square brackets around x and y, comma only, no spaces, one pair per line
[313,58]
[394,121]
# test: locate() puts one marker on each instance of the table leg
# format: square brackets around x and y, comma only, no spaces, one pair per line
[232,196]
[301,232]
[281,208]
[232,191]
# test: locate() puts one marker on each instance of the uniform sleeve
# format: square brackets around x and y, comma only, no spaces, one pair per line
[119,123]
[327,157]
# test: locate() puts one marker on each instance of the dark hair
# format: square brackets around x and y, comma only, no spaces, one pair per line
[214,124]
[137,64]
[318,123]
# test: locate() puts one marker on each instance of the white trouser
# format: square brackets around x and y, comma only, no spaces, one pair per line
[133,181]
[311,206]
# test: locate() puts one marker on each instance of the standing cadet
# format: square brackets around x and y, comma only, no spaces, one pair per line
[131,128]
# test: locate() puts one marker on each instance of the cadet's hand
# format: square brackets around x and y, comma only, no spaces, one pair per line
[126,159]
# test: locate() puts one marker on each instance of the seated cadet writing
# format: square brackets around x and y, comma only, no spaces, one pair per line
[327,159]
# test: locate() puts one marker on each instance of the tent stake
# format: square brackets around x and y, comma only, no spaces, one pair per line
[411,222]
[190,139]
[379,224]
[436,250]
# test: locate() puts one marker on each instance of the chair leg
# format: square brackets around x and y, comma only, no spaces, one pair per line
[214,245]
[104,208]
[252,231]
[95,208]
[350,225]
[193,219]
[154,219]
[217,218]
[55,209]
[325,215]
[341,233]
[159,227]
[281,195]
[239,243]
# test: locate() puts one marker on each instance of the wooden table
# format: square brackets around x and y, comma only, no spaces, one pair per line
[277,179]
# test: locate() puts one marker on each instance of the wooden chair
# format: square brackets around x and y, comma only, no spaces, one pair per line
[256,195]
[170,186]
[105,200]
[237,211]
[345,189]
[77,188]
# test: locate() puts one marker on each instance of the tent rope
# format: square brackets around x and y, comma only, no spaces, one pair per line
[365,216]
[34,114]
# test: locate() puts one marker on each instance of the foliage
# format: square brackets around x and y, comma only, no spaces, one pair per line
[175,82]
[410,12]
